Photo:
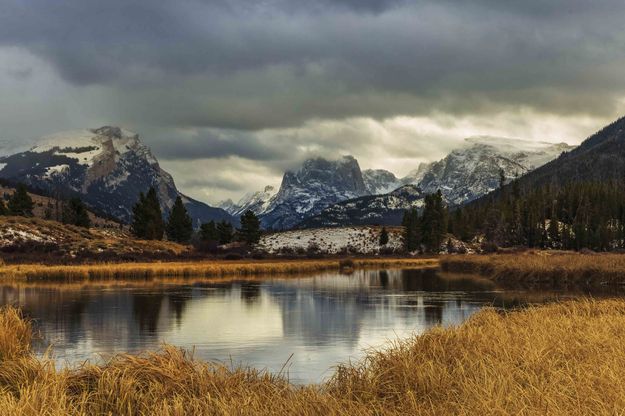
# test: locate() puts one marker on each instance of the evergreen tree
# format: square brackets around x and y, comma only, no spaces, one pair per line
[434,222]
[3,208]
[225,232]
[147,222]
[75,213]
[139,217]
[502,178]
[208,232]
[383,237]
[47,214]
[250,228]
[20,202]
[412,233]
[553,229]
[179,224]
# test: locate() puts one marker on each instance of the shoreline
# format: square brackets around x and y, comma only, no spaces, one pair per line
[208,269]
[542,268]
[561,358]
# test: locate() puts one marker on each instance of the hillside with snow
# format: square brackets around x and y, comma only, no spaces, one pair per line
[344,240]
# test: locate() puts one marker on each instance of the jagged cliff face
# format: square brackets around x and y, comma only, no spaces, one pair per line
[106,167]
[318,184]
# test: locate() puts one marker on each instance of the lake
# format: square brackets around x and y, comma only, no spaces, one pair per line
[302,325]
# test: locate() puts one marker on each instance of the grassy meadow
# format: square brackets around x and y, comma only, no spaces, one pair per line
[552,268]
[559,359]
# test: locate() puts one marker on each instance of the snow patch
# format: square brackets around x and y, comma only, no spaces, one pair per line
[363,240]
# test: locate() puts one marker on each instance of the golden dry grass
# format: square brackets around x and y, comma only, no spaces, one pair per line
[560,359]
[559,268]
[217,268]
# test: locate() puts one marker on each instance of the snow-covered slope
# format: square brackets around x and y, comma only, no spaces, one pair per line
[106,167]
[386,209]
[318,184]
[257,202]
[474,169]
[354,240]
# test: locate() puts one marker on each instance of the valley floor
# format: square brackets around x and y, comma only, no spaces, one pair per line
[560,359]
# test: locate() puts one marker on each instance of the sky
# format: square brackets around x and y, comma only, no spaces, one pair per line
[230,93]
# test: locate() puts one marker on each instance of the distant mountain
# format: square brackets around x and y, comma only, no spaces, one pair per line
[332,193]
[387,209]
[599,158]
[318,184]
[257,202]
[106,167]
[474,169]
[380,181]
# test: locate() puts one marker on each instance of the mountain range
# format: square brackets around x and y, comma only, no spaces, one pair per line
[107,167]
[315,195]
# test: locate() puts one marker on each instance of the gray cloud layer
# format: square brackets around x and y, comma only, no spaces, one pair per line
[249,79]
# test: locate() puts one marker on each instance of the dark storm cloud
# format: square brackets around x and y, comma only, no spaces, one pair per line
[219,144]
[256,64]
[248,88]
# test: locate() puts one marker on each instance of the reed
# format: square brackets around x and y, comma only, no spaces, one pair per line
[560,359]
[556,269]
[140,271]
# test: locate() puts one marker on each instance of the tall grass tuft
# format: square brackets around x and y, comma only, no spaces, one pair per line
[560,359]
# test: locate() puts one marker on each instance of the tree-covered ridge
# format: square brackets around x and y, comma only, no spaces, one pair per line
[577,215]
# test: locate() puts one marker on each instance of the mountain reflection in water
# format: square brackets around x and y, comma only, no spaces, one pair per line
[319,320]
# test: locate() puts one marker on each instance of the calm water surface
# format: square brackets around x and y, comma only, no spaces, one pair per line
[309,323]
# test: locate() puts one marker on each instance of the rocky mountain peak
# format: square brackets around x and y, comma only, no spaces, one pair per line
[107,167]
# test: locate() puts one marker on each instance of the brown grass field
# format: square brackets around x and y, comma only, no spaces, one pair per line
[557,269]
[560,359]
[214,268]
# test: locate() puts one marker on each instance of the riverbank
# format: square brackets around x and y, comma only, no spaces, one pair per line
[557,359]
[556,269]
[209,268]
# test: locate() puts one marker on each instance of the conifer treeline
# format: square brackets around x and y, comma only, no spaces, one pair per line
[148,224]
[72,211]
[572,216]
[426,232]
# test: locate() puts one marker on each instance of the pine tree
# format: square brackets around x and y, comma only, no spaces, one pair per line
[250,228]
[411,235]
[3,208]
[434,222]
[20,202]
[383,237]
[225,232]
[502,178]
[139,217]
[179,224]
[208,232]
[553,229]
[147,222]
[75,213]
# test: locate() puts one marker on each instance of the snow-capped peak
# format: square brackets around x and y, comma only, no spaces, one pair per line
[87,145]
